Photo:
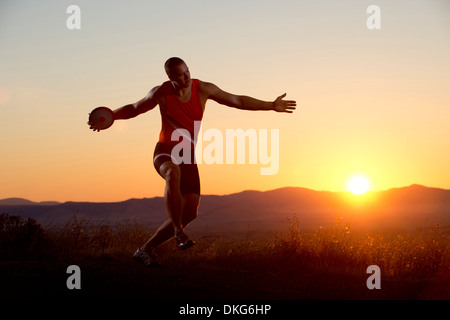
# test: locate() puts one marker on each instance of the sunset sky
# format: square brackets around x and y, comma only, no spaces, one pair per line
[371,102]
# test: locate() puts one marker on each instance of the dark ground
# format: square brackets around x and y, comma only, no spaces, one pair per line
[324,270]
[122,278]
[112,286]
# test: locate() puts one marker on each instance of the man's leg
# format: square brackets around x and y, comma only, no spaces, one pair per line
[173,202]
[190,207]
[166,230]
[172,196]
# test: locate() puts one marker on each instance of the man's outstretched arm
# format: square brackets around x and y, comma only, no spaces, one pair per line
[247,103]
[134,109]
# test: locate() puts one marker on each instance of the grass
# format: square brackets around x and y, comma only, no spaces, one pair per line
[326,263]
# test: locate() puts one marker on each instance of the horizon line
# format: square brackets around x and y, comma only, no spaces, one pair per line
[228,194]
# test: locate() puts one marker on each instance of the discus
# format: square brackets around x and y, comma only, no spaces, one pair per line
[101,118]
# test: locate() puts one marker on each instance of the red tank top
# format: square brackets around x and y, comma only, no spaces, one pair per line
[181,115]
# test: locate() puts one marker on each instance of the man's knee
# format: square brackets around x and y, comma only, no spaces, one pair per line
[171,172]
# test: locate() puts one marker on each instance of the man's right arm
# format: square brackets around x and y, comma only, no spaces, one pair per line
[132,110]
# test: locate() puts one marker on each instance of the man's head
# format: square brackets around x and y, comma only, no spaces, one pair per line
[178,72]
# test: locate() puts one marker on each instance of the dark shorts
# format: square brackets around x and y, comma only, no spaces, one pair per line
[190,179]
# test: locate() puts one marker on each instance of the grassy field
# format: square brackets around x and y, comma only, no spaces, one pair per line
[327,263]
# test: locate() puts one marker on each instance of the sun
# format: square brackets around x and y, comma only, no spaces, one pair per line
[358,185]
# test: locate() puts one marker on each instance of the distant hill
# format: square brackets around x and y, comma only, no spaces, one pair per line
[409,207]
[25,202]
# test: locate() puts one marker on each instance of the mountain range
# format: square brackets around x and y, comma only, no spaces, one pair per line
[410,207]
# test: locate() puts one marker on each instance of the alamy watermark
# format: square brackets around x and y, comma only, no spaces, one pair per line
[216,147]
[73,22]
[374,281]
[74,280]
[373,22]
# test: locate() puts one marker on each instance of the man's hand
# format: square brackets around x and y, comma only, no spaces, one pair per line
[93,126]
[280,105]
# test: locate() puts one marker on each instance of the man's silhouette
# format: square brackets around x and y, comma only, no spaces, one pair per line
[182,102]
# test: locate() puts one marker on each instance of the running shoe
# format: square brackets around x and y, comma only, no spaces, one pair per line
[183,241]
[148,259]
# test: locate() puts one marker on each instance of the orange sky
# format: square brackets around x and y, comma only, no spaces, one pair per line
[374,102]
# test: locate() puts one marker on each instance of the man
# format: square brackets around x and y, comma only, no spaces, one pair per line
[182,102]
